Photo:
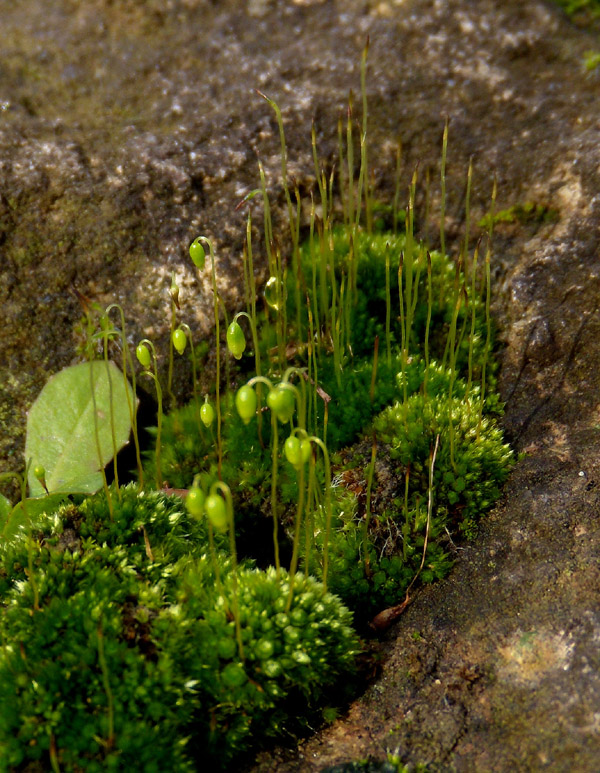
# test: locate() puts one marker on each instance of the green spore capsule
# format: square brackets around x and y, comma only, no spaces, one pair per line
[292,451]
[281,401]
[297,451]
[143,354]
[246,402]
[197,254]
[274,293]
[216,511]
[179,339]
[236,341]
[305,450]
[194,502]
[207,414]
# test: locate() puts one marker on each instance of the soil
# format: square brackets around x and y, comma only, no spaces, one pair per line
[128,129]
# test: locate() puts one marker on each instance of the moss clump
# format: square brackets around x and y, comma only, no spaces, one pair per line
[293,653]
[131,660]
[82,683]
[375,556]
[471,463]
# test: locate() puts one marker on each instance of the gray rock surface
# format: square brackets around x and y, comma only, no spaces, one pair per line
[128,128]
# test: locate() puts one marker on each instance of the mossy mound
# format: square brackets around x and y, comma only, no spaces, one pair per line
[120,647]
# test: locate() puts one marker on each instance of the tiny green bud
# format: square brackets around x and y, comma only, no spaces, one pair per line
[216,511]
[143,354]
[174,290]
[207,414]
[245,402]
[197,254]
[40,474]
[194,502]
[179,339]
[236,341]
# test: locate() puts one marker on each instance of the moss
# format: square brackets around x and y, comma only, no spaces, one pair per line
[528,213]
[132,657]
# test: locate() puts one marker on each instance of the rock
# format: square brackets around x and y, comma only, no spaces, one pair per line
[128,129]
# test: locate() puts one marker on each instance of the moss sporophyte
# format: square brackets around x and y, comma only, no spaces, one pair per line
[311,490]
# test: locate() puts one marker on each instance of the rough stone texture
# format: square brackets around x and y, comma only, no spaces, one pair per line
[128,128]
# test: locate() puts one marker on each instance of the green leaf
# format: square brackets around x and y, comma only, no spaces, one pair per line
[61,433]
[17,518]
[5,510]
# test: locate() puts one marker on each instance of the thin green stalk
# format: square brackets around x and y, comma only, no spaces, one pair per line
[428,323]
[395,210]
[427,204]
[297,528]
[246,277]
[252,313]
[370,476]
[97,439]
[320,177]
[467,212]
[274,455]
[364,165]
[214,559]
[473,316]
[53,755]
[251,281]
[388,307]
[174,294]
[309,528]
[443,183]
[458,270]
[105,334]
[488,318]
[453,351]
[409,265]
[328,510]
[313,267]
[432,457]
[107,689]
[313,367]
[488,335]
[342,179]
[218,351]
[159,402]
[274,462]
[350,161]
[187,330]
[403,341]
[226,491]
[325,256]
[267,221]
[346,304]
[293,218]
[335,327]
[406,528]
[127,363]
[374,370]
